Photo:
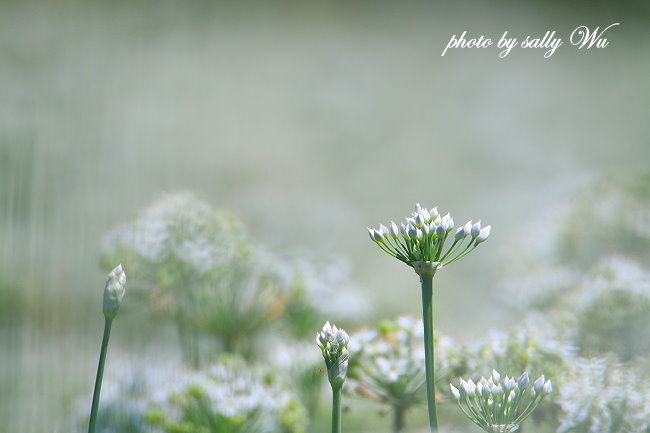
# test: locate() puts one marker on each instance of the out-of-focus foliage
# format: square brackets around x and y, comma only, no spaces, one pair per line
[601,396]
[230,396]
[611,217]
[533,345]
[387,365]
[194,264]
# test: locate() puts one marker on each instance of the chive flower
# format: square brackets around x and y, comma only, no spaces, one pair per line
[500,405]
[421,242]
[423,235]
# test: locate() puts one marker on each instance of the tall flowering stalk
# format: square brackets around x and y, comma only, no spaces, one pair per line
[420,243]
[333,343]
[113,295]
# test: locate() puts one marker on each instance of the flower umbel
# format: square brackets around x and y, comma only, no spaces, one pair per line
[423,236]
[494,404]
[333,342]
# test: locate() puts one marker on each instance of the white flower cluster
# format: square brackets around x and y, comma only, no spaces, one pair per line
[422,237]
[534,344]
[326,282]
[498,405]
[333,342]
[600,396]
[615,273]
[182,227]
[389,361]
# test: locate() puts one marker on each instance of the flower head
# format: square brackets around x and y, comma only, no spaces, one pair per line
[422,237]
[114,292]
[333,342]
[500,406]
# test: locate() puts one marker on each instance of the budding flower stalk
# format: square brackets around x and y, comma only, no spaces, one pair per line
[113,295]
[421,242]
[500,406]
[333,343]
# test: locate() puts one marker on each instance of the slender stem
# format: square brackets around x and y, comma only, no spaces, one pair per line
[336,409]
[100,374]
[398,418]
[427,319]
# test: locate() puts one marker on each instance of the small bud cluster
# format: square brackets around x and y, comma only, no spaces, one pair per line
[494,404]
[422,237]
[114,292]
[333,342]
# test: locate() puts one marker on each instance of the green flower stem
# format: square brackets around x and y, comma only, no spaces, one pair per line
[427,318]
[336,409]
[100,373]
[398,418]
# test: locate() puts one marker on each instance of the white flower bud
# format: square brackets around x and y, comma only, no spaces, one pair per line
[538,386]
[496,377]
[394,232]
[450,224]
[426,215]
[377,236]
[383,230]
[426,229]
[470,387]
[460,233]
[476,228]
[523,381]
[441,229]
[434,212]
[483,234]
[418,234]
[412,231]
[454,391]
[485,390]
[114,292]
[418,208]
[547,387]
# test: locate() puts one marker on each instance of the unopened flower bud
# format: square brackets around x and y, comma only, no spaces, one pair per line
[454,391]
[483,234]
[114,292]
[548,387]
[383,230]
[434,212]
[412,231]
[425,215]
[476,228]
[523,381]
[538,386]
[496,377]
[394,232]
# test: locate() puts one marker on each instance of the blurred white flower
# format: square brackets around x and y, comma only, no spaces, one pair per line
[599,395]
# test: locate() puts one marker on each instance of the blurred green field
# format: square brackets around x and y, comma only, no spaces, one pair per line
[309,122]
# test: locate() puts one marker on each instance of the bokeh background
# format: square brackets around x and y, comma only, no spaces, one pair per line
[307,122]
